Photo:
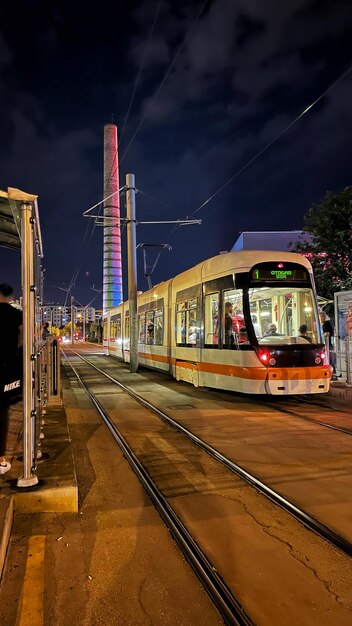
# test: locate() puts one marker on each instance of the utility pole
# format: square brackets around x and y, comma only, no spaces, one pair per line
[72,319]
[132,269]
[84,323]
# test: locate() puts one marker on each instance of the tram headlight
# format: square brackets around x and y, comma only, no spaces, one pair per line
[272,361]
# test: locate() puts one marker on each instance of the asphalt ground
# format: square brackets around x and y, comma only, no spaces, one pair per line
[115,562]
[281,572]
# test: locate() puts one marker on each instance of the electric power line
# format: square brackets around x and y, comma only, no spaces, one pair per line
[166,75]
[268,145]
[141,67]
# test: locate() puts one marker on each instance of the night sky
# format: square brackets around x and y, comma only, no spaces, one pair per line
[243,71]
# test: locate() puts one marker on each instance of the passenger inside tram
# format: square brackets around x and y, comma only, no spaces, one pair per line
[288,310]
[303,333]
[256,326]
[272,331]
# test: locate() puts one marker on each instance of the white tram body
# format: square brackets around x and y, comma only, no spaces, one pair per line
[184,327]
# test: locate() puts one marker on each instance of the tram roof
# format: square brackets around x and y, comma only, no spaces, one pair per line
[243,260]
[10,218]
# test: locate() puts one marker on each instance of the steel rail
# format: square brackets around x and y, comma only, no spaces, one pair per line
[229,607]
[308,520]
[341,409]
[345,431]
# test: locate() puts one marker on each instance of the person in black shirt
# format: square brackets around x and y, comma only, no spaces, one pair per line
[303,333]
[10,363]
[45,332]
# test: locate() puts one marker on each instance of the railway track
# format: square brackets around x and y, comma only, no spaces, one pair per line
[307,418]
[229,607]
[290,507]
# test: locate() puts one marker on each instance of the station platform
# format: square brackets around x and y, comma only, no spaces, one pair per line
[56,491]
[114,562]
[340,393]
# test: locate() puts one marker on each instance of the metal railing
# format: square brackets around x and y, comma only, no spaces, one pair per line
[344,358]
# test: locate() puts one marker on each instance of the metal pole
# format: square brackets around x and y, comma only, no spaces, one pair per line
[348,358]
[84,323]
[132,269]
[72,319]
[27,269]
[327,348]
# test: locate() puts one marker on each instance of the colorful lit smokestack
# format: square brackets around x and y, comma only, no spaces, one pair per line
[112,267]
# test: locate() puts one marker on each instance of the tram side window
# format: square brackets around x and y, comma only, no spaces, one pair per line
[150,327]
[141,328]
[158,327]
[211,320]
[113,327]
[234,332]
[181,323]
[118,329]
[186,323]
[105,331]
[127,327]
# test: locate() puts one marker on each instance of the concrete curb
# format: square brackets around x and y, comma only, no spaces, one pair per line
[6,519]
[340,393]
[57,490]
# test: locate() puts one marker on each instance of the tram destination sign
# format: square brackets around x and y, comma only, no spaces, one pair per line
[277,272]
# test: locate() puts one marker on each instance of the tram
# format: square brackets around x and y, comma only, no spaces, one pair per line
[241,321]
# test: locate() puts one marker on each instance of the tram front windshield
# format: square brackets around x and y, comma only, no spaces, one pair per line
[284,315]
[282,305]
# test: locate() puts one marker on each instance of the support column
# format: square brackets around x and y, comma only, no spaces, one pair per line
[29,478]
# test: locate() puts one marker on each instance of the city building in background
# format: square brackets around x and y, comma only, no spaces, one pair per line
[60,315]
[284,240]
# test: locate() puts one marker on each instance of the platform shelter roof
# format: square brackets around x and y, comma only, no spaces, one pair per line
[10,218]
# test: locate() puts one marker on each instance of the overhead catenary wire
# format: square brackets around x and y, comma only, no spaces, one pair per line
[141,68]
[178,52]
[77,265]
[166,75]
[268,145]
[262,150]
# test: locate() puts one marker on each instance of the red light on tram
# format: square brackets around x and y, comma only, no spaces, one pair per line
[280,265]
[264,356]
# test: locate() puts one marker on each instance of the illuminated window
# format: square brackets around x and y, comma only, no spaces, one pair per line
[186,323]
[278,312]
[158,327]
[211,320]
[141,328]
[234,332]
[127,328]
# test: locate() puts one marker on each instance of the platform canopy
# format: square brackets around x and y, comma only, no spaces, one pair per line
[10,218]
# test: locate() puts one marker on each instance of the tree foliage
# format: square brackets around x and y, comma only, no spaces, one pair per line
[329,225]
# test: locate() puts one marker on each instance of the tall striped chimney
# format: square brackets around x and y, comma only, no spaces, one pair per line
[112,267]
